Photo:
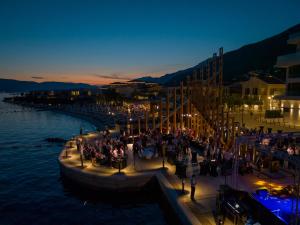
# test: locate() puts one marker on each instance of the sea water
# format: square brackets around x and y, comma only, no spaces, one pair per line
[32,190]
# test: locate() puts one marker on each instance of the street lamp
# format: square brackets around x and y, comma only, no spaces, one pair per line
[70,146]
[81,157]
[119,159]
[130,126]
[163,154]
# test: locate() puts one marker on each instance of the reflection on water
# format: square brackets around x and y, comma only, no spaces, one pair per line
[31,189]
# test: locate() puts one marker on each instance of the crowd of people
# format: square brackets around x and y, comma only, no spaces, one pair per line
[282,142]
[177,148]
[104,149]
[182,148]
[282,147]
[170,145]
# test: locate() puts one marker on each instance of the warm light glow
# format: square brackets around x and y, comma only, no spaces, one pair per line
[89,76]
[260,182]
[265,185]
[277,188]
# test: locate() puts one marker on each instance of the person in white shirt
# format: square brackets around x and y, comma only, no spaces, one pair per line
[115,153]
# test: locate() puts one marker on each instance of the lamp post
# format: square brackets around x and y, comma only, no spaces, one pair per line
[119,163]
[134,155]
[67,153]
[130,127]
[182,184]
[139,125]
[163,154]
[146,120]
[67,146]
[81,157]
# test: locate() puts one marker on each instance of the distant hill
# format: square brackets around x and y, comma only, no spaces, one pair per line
[261,56]
[10,85]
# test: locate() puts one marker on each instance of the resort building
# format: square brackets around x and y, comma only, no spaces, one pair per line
[262,87]
[136,90]
[291,63]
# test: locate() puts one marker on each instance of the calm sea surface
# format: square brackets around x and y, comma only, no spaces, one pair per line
[31,188]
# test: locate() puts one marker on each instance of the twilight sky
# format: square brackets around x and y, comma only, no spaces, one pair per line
[96,41]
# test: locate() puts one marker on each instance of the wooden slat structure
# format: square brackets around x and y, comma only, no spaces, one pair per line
[197,105]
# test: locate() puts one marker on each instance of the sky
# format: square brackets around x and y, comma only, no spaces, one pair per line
[99,42]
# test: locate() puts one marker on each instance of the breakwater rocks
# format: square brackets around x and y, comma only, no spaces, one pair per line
[56,140]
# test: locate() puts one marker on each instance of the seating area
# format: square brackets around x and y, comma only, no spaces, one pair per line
[104,150]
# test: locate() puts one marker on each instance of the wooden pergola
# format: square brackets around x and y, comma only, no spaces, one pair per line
[197,105]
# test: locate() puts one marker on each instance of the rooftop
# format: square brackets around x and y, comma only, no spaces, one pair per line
[270,79]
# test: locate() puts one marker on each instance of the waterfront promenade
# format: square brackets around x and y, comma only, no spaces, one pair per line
[137,176]
[140,171]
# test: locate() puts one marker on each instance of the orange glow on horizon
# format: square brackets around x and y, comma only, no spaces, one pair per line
[79,78]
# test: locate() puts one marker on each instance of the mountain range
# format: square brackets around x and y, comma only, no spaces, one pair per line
[10,85]
[259,56]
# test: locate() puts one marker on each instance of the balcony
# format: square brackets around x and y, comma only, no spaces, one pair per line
[288,60]
[293,80]
[294,39]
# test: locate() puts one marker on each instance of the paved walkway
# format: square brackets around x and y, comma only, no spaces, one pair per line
[256,120]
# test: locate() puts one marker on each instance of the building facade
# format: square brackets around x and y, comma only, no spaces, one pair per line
[136,90]
[262,87]
[291,63]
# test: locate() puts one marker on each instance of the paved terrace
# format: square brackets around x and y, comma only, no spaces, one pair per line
[200,211]
[291,122]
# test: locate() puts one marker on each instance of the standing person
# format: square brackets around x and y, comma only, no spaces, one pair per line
[193,186]
[259,165]
[135,150]
[81,154]
[164,147]
[80,130]
[93,156]
[78,143]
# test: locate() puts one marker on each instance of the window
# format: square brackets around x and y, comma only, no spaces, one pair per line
[255,91]
[293,89]
[294,71]
[247,91]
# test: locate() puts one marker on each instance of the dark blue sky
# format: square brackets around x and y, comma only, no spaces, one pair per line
[90,40]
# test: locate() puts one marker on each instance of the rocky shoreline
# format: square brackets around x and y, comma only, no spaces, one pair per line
[100,121]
